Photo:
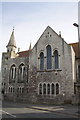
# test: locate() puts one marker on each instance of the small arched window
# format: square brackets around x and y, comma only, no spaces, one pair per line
[52,89]
[57,88]
[56,59]
[40,88]
[21,73]
[11,89]
[48,88]
[41,61]
[44,89]
[12,73]
[49,57]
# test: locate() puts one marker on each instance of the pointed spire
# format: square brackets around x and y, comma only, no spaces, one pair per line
[12,40]
[30,46]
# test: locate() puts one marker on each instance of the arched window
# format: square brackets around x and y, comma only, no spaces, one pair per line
[48,88]
[11,89]
[57,88]
[52,89]
[44,89]
[22,90]
[41,61]
[56,59]
[21,73]
[49,57]
[12,73]
[40,88]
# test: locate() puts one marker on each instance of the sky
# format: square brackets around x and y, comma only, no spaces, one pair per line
[30,19]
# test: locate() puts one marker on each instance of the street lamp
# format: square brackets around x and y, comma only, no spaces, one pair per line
[78,81]
[76,25]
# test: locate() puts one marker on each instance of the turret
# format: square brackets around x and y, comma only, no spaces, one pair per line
[11,47]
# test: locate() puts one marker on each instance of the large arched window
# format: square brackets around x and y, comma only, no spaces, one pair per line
[44,89]
[49,57]
[12,73]
[21,73]
[48,88]
[57,88]
[40,88]
[52,89]
[41,61]
[56,59]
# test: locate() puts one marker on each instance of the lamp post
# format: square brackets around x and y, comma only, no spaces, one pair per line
[78,79]
[76,25]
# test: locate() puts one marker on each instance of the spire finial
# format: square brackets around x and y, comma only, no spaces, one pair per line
[60,33]
[12,40]
[13,28]
[30,46]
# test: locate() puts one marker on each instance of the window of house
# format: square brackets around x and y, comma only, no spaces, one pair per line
[56,59]
[41,61]
[9,89]
[44,89]
[22,90]
[48,89]
[49,57]
[12,73]
[40,88]
[57,88]
[21,73]
[52,88]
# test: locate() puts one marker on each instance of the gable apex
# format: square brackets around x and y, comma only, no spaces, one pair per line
[48,27]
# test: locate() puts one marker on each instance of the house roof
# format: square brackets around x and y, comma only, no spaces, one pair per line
[24,53]
[76,48]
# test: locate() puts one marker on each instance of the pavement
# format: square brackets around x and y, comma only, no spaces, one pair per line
[66,109]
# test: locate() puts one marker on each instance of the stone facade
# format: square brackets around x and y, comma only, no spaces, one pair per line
[34,79]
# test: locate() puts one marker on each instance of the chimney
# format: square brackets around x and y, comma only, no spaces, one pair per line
[18,49]
[60,33]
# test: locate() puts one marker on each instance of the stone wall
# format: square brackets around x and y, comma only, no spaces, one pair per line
[64,73]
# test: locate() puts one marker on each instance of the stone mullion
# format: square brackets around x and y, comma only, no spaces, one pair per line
[45,65]
[52,62]
[59,62]
[42,88]
[15,86]
[46,89]
[50,90]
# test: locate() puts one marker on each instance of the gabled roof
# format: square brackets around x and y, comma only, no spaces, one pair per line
[24,53]
[47,29]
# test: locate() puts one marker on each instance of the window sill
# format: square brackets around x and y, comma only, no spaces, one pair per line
[11,81]
[50,70]
[20,82]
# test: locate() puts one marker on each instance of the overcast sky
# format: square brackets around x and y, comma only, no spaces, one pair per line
[31,19]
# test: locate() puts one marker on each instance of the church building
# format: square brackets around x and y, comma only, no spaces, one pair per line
[44,74]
